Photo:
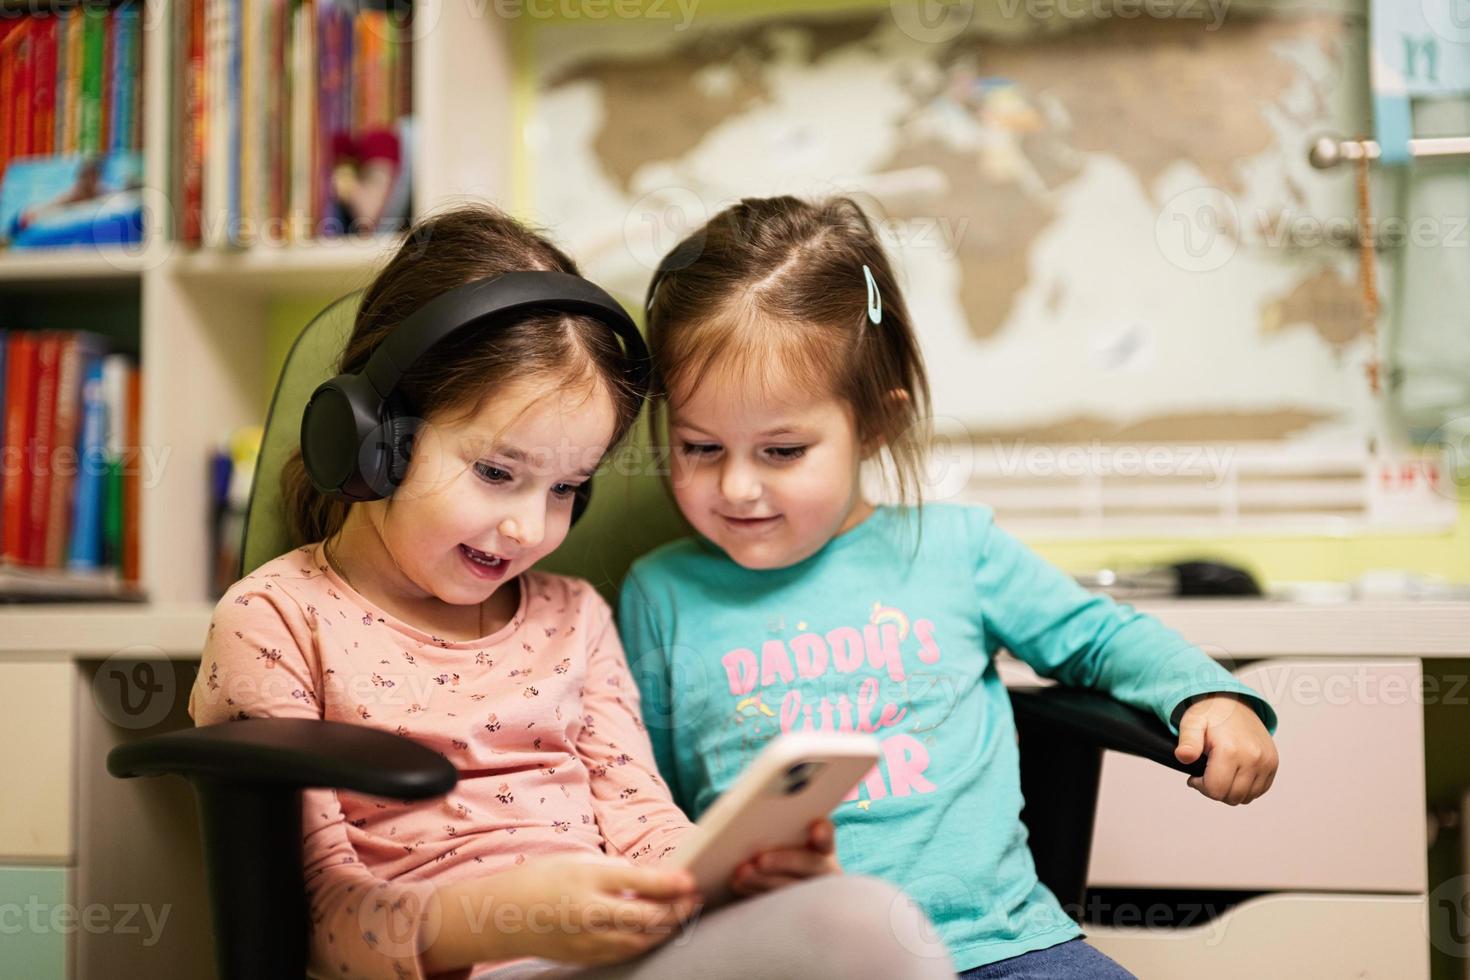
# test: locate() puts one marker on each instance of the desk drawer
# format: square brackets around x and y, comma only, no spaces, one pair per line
[36,755]
[1346,812]
[1284,937]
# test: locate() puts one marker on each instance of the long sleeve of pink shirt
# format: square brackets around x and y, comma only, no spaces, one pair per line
[541,720]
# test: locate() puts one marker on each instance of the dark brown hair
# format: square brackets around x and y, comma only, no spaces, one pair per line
[441,252]
[776,287]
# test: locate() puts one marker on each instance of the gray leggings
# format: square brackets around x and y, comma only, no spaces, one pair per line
[835,927]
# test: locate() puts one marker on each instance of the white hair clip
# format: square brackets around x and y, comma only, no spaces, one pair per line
[875,299]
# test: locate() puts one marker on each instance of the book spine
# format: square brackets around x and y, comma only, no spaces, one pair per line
[75,68]
[327,87]
[25,81]
[132,569]
[249,145]
[105,84]
[43,97]
[38,509]
[85,551]
[63,74]
[20,392]
[89,120]
[8,83]
[124,77]
[63,452]
[115,368]
[216,107]
[233,119]
[302,151]
[192,123]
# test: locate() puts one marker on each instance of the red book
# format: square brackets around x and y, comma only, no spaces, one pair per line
[20,391]
[192,123]
[48,356]
[23,82]
[8,40]
[43,86]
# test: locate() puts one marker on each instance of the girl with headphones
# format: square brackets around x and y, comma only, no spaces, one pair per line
[483,383]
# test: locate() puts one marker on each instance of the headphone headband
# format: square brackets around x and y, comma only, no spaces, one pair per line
[356,430]
[505,295]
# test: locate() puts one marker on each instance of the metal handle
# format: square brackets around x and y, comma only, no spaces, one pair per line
[1327,152]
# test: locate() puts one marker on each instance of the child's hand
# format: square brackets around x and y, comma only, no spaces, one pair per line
[778,868]
[1242,758]
[591,911]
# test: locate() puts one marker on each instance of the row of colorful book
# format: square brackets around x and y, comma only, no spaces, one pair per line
[72,456]
[290,119]
[71,81]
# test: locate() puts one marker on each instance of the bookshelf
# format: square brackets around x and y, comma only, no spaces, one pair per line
[202,315]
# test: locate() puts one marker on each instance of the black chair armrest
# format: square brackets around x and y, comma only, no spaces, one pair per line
[1094,718]
[1063,732]
[299,752]
[248,778]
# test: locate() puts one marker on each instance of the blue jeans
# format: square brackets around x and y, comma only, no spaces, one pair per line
[1071,960]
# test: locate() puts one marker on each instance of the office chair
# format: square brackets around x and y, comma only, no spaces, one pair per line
[248,775]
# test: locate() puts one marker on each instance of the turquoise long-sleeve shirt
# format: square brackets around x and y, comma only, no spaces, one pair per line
[893,628]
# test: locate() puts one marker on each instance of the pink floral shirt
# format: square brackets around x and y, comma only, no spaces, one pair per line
[540,719]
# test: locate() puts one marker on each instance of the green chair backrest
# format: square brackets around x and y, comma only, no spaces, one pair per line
[630,513]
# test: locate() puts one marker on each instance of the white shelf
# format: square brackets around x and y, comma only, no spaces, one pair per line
[322,267]
[65,631]
[18,581]
[45,266]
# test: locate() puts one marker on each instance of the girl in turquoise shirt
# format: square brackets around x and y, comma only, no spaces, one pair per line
[785,359]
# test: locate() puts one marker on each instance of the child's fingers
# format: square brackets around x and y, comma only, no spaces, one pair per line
[756,882]
[1261,783]
[804,863]
[1240,787]
[1191,740]
[823,837]
[646,882]
[636,915]
[1220,774]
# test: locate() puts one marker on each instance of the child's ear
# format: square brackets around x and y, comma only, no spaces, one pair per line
[895,402]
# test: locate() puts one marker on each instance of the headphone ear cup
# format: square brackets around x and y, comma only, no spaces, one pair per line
[337,422]
[400,427]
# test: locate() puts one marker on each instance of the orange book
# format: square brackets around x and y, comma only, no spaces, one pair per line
[20,388]
[132,480]
[48,351]
[75,346]
[71,39]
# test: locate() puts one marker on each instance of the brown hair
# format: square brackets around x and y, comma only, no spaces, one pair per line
[441,252]
[781,281]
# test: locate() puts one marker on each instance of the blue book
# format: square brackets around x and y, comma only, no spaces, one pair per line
[85,552]
[125,26]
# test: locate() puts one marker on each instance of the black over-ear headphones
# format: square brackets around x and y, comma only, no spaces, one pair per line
[357,431]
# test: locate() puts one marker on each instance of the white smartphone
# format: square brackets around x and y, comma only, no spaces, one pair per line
[796,779]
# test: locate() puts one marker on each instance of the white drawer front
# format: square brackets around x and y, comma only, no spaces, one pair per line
[1346,811]
[36,760]
[1284,937]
